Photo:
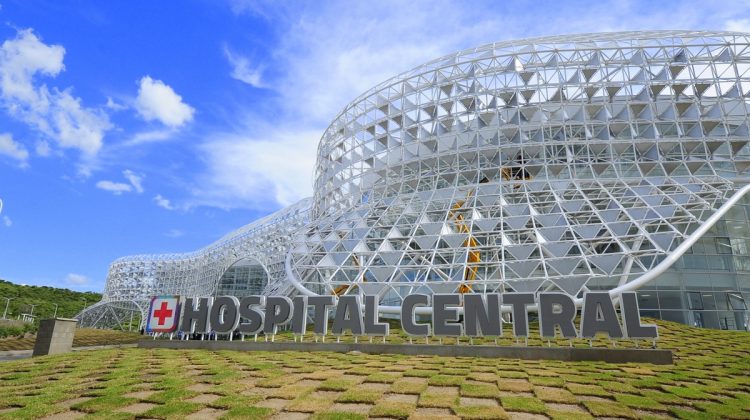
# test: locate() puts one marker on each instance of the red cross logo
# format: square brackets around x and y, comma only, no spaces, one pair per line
[163,313]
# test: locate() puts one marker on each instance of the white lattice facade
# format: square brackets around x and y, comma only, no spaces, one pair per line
[566,163]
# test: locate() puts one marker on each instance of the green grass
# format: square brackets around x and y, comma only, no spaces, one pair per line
[406,386]
[360,396]
[392,409]
[479,390]
[524,404]
[446,380]
[608,408]
[337,384]
[708,380]
[436,400]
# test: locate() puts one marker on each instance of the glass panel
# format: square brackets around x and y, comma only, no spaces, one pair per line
[708,301]
[742,263]
[716,262]
[710,319]
[696,281]
[650,314]
[709,246]
[739,246]
[736,301]
[669,281]
[722,303]
[670,300]
[647,300]
[696,262]
[695,300]
[723,246]
[736,213]
[246,277]
[676,316]
[742,319]
[723,281]
[697,319]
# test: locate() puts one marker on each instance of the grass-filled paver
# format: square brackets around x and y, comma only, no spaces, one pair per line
[708,380]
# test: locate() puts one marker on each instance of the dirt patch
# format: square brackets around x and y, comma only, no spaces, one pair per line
[74,401]
[206,413]
[204,399]
[67,415]
[137,408]
[525,416]
[351,408]
[432,413]
[200,387]
[275,403]
[569,408]
[482,402]
[140,394]
[402,398]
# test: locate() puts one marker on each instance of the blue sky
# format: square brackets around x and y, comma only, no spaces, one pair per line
[150,127]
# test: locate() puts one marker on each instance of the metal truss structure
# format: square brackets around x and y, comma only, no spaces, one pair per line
[564,163]
[132,281]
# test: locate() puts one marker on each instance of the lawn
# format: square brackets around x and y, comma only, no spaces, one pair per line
[83,337]
[708,380]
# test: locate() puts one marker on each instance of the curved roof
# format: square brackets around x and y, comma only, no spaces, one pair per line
[557,42]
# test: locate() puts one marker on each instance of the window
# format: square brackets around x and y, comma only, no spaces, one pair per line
[647,300]
[695,300]
[736,302]
[723,246]
[708,301]
[670,300]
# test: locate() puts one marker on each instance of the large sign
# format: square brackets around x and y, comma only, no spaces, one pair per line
[452,315]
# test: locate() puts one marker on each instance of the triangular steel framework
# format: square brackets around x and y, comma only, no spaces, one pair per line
[549,161]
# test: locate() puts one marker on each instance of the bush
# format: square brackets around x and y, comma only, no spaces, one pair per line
[10,332]
[16,331]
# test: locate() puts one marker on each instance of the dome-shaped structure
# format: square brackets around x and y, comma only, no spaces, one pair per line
[549,163]
[568,163]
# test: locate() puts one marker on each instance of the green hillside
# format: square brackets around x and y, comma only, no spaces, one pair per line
[45,298]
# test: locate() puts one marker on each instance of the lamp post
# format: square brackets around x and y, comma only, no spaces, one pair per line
[31,314]
[55,315]
[7,302]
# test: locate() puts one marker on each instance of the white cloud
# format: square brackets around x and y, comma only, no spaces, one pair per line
[163,202]
[152,136]
[135,183]
[174,233]
[56,113]
[13,149]
[331,52]
[158,101]
[135,180]
[42,148]
[242,70]
[257,172]
[111,104]
[7,222]
[76,279]
[116,188]
[738,25]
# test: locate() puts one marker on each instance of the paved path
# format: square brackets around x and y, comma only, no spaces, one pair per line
[6,356]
